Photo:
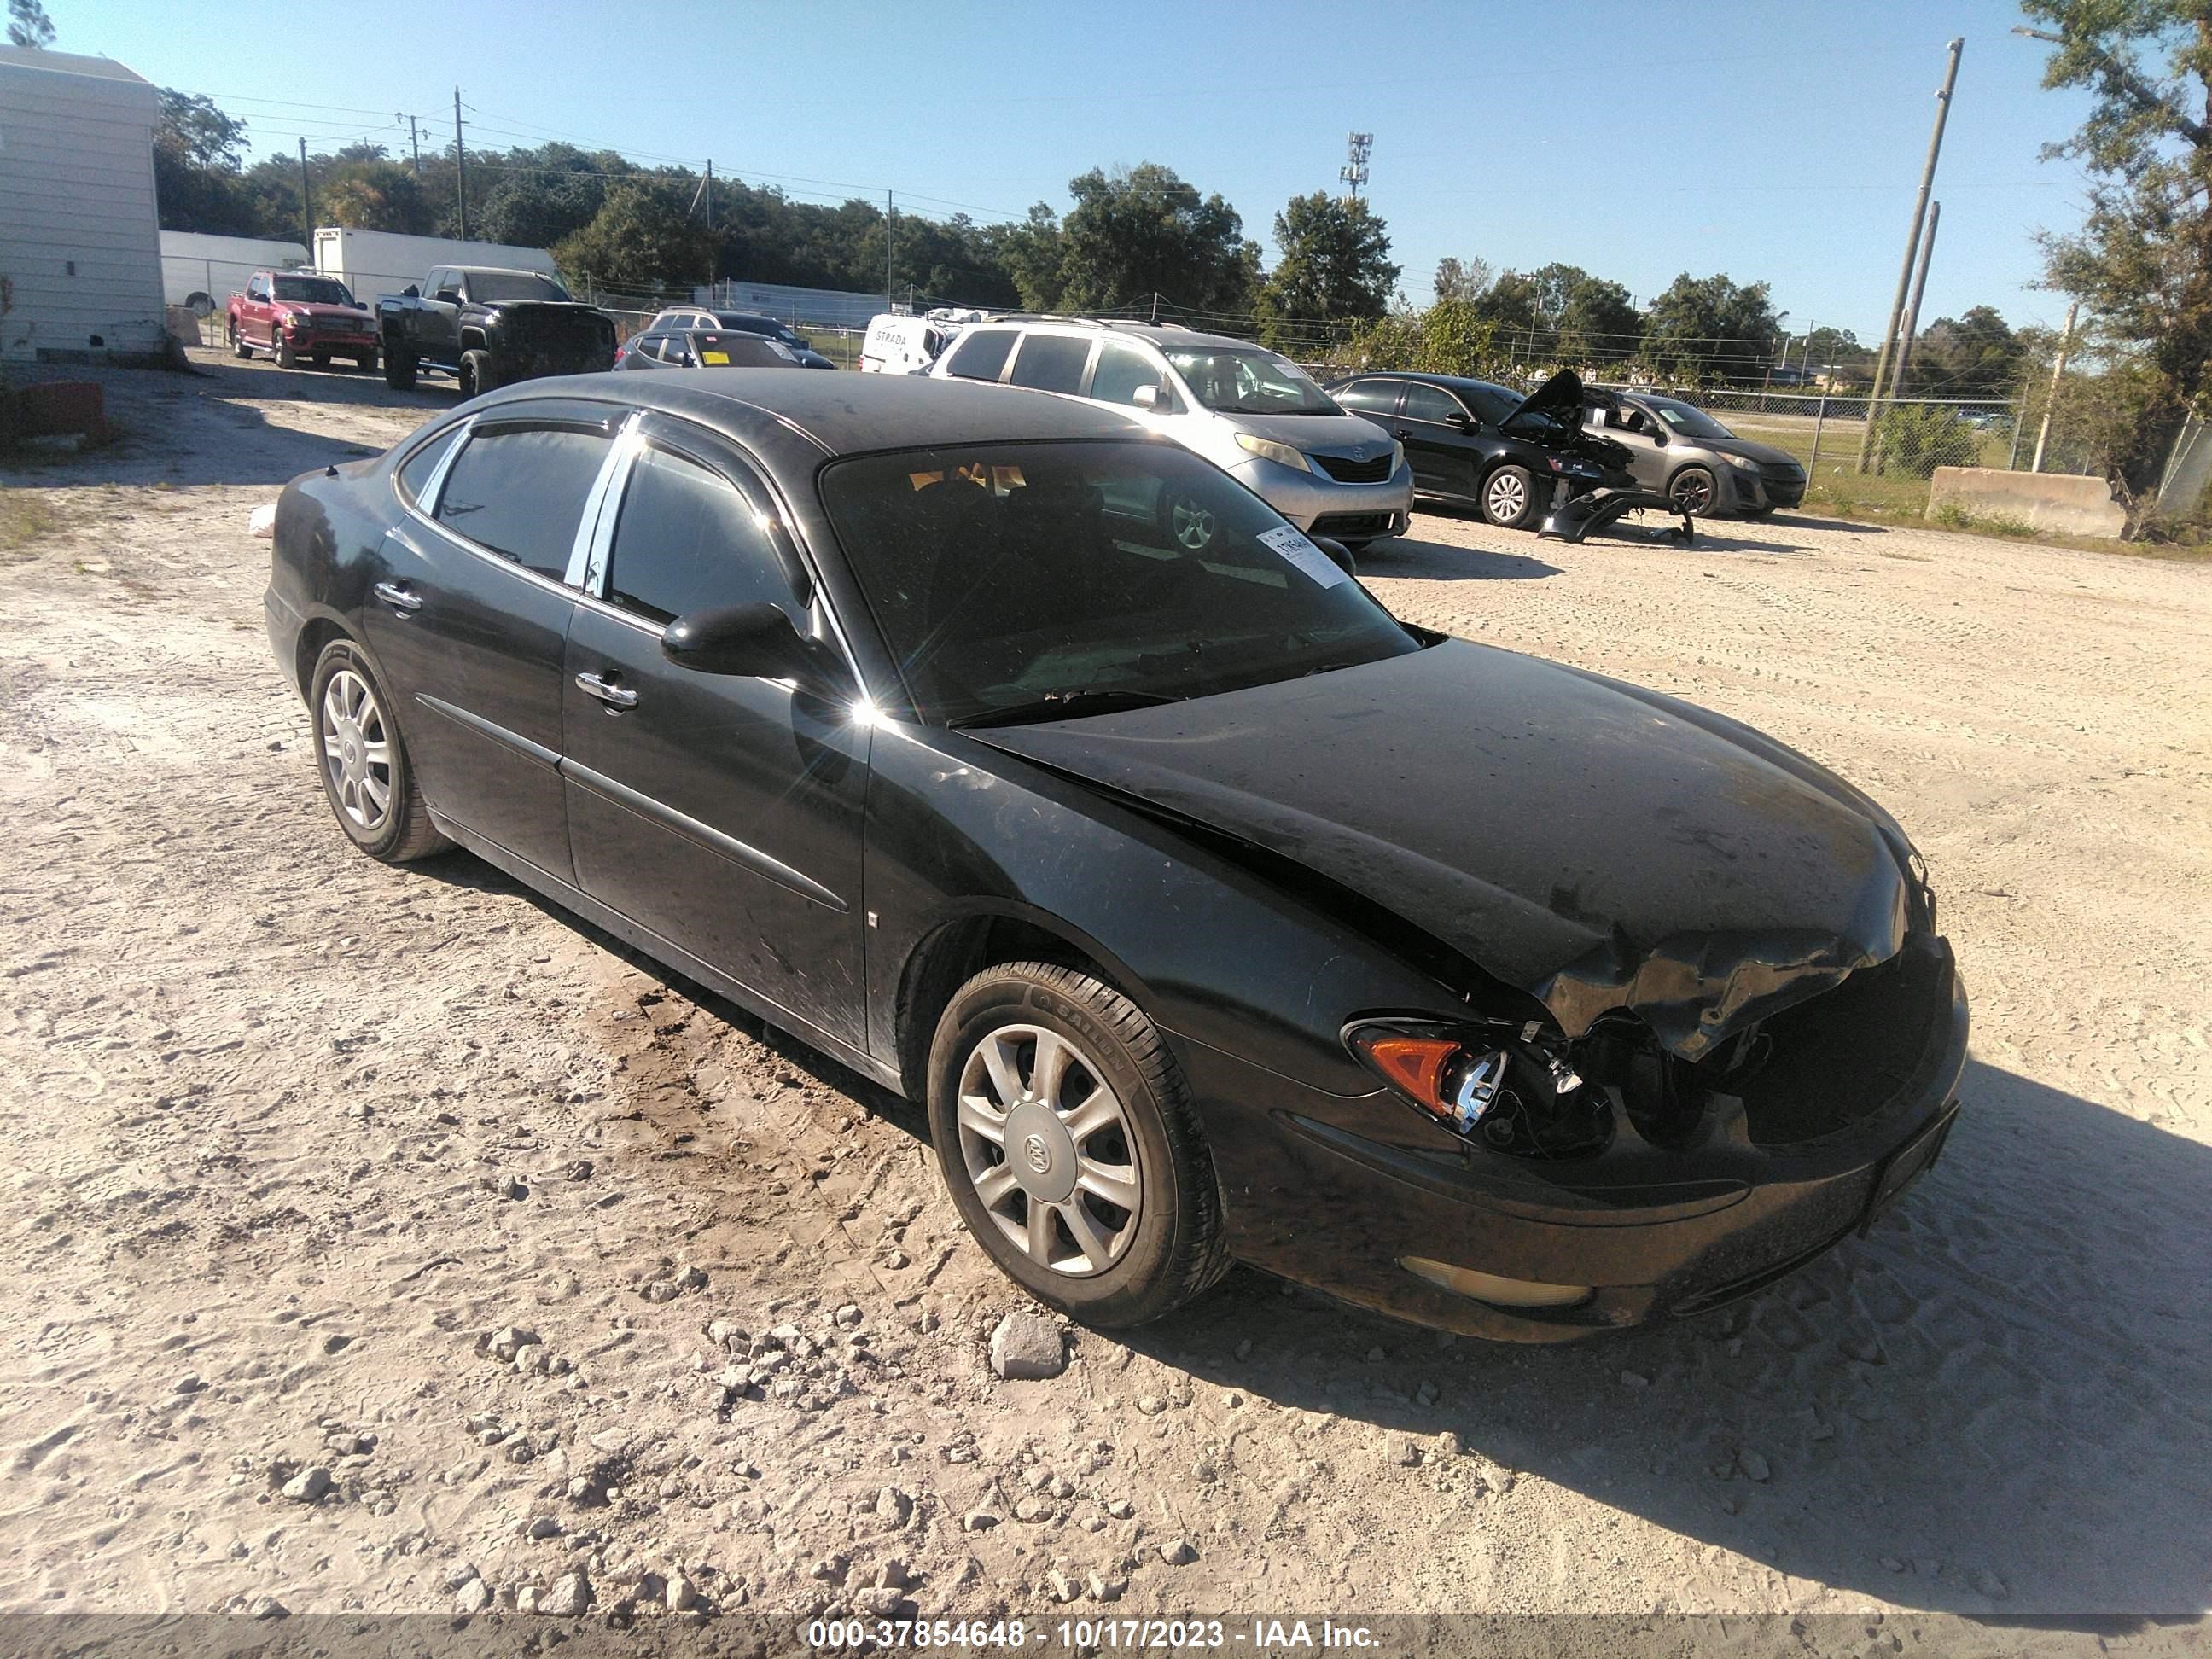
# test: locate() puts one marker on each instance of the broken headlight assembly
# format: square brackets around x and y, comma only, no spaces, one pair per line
[1573,466]
[1505,1087]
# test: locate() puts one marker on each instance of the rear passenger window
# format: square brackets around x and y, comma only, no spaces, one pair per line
[1368,397]
[415,471]
[982,353]
[1120,372]
[520,491]
[1051,362]
[687,539]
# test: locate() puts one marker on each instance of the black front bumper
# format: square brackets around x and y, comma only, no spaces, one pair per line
[1334,1205]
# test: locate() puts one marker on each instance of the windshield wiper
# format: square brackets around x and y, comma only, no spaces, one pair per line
[1066,705]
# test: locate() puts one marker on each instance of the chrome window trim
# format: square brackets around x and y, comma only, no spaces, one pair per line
[592,540]
[424,507]
[434,486]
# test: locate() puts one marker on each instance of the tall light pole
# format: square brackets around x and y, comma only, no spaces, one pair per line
[1354,172]
[1912,246]
[460,165]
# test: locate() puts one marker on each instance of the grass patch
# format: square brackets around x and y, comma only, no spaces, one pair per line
[25,517]
[1953,516]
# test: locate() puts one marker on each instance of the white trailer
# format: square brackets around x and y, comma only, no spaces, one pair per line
[80,239]
[202,270]
[375,264]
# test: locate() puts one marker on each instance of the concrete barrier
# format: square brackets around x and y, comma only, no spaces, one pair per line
[2068,503]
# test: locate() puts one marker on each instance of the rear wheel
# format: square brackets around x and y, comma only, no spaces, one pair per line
[1692,490]
[399,369]
[321,360]
[1510,498]
[362,762]
[1067,1140]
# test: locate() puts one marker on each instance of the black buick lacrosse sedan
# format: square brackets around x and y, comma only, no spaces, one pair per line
[1213,914]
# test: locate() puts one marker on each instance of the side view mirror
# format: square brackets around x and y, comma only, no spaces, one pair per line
[1154,397]
[448,296]
[1465,423]
[410,292]
[755,639]
[1339,553]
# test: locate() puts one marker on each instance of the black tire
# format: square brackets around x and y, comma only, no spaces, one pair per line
[399,369]
[1766,511]
[479,376]
[321,360]
[404,832]
[281,347]
[1175,1238]
[1693,489]
[366,362]
[1512,497]
[237,346]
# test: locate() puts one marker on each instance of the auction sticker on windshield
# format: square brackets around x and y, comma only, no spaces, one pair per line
[1291,543]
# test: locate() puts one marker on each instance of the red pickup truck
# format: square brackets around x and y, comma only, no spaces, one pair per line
[291,314]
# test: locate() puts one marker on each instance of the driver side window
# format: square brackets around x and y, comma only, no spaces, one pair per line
[1430,403]
[686,539]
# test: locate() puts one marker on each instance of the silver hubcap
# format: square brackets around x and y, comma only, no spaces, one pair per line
[1192,525]
[1048,1148]
[356,751]
[1508,496]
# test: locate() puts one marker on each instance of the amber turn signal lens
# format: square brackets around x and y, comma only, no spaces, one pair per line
[1415,1064]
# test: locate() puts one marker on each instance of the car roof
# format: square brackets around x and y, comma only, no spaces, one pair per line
[1457,382]
[847,414]
[1168,337]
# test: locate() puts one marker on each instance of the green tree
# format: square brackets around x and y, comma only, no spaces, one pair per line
[1707,330]
[374,195]
[1335,267]
[197,153]
[1449,338]
[1598,323]
[29,24]
[2141,263]
[1461,279]
[641,237]
[1974,356]
[1510,303]
[1135,233]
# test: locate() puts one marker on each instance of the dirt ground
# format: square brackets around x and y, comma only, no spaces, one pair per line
[292,1136]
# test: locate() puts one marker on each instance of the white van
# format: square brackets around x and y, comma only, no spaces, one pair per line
[903,344]
[1251,412]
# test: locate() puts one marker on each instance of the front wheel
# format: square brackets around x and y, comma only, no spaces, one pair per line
[1510,497]
[477,374]
[1068,1142]
[399,369]
[363,764]
[286,357]
[366,362]
[1692,490]
[237,340]
[1187,521]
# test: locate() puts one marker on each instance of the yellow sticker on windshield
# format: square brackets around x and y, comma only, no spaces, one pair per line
[713,357]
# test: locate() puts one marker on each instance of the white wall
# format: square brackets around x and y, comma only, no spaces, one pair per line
[76,188]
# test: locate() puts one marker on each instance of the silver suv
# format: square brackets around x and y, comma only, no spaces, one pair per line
[1252,412]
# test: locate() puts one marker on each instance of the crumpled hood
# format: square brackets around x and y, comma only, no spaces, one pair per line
[1597,846]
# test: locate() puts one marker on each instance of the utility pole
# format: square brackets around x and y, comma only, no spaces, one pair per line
[2065,344]
[1912,308]
[306,199]
[1354,172]
[891,226]
[1912,246]
[460,165]
[414,143]
[710,193]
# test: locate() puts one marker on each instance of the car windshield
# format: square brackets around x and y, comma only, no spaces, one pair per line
[313,291]
[1690,421]
[1491,403]
[498,287]
[1231,382]
[1010,580]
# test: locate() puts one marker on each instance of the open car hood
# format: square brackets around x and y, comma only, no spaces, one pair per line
[1596,846]
[1561,397]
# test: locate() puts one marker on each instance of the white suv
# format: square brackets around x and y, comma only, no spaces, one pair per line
[1253,413]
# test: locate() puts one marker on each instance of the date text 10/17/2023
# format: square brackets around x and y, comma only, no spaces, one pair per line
[1258,1635]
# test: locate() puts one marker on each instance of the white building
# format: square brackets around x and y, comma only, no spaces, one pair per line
[80,236]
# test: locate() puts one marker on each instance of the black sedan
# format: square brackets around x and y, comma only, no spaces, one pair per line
[1214,913]
[1476,444]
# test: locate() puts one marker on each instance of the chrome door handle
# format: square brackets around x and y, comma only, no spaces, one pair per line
[615,696]
[392,593]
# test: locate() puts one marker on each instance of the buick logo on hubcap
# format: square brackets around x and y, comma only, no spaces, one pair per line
[1040,1158]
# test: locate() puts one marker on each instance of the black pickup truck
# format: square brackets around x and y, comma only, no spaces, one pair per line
[488,327]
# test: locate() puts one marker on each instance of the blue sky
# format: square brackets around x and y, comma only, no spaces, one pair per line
[1780,142]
